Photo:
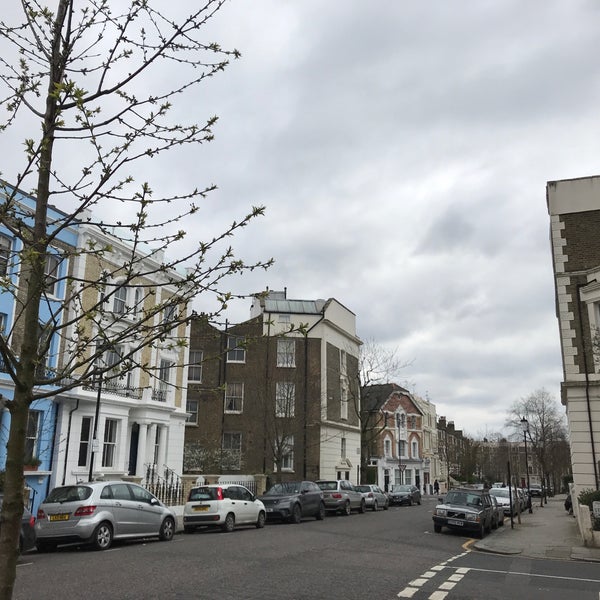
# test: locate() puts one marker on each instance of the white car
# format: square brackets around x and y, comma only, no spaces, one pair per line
[224,506]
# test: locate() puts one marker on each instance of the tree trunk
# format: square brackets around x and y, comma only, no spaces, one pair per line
[12,506]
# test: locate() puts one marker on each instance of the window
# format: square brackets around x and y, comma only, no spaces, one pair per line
[287,453]
[164,373]
[84,441]
[3,317]
[32,433]
[343,370]
[120,300]
[284,318]
[401,448]
[110,443]
[415,449]
[235,349]
[113,355]
[413,422]
[234,397]
[285,399]
[343,399]
[51,273]
[5,248]
[169,313]
[157,445]
[137,302]
[195,366]
[343,448]
[191,407]
[232,450]
[408,476]
[286,353]
[387,448]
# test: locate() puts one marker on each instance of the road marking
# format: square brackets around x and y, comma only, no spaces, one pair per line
[408,592]
[519,573]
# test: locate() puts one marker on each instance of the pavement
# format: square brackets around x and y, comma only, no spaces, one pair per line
[549,532]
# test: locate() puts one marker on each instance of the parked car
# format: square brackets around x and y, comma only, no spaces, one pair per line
[536,490]
[404,494]
[498,519]
[341,496]
[465,510]
[27,534]
[99,512]
[292,500]
[503,497]
[224,506]
[374,496]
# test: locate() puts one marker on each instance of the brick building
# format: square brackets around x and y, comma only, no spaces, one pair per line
[574,209]
[272,395]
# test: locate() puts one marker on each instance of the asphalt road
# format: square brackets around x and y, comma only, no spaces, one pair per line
[383,555]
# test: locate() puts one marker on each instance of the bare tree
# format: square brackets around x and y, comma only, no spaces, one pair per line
[546,433]
[89,74]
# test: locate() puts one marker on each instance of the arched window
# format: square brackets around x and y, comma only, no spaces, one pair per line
[120,300]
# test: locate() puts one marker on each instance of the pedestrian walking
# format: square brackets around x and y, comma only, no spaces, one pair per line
[436,487]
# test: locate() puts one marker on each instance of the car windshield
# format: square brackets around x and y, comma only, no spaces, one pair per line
[69,493]
[328,485]
[463,498]
[401,488]
[499,492]
[362,488]
[290,487]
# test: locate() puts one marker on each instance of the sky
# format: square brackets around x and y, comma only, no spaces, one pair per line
[402,150]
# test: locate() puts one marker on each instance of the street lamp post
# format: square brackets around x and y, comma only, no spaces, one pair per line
[95,443]
[525,427]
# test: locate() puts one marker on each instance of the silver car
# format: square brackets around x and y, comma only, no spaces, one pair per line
[99,512]
[374,497]
[341,496]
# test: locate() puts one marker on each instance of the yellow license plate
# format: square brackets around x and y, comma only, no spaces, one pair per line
[61,517]
[200,508]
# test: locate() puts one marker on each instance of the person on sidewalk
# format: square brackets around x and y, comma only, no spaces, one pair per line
[436,487]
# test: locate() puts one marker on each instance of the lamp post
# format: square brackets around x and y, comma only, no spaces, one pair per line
[525,427]
[95,444]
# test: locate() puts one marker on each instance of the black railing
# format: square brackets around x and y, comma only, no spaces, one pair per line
[167,487]
[111,386]
[159,395]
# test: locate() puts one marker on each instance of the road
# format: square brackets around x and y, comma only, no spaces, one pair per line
[382,556]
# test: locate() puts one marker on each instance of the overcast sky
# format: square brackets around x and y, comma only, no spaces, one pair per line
[402,151]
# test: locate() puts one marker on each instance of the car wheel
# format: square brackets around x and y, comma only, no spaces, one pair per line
[347,509]
[102,536]
[167,530]
[45,546]
[437,528]
[409,503]
[260,522]
[296,514]
[495,524]
[481,532]
[188,529]
[321,513]
[501,522]
[375,506]
[419,502]
[386,506]
[363,506]
[229,524]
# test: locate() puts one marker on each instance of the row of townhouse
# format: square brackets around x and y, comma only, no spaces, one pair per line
[116,426]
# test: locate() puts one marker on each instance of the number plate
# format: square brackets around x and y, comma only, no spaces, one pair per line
[200,508]
[269,510]
[60,517]
[455,522]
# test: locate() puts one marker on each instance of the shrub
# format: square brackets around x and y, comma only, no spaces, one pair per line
[588,496]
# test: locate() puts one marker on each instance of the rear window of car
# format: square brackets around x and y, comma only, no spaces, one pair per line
[203,493]
[69,493]
[328,485]
[363,488]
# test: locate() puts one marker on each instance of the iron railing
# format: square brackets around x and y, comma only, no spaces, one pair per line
[166,486]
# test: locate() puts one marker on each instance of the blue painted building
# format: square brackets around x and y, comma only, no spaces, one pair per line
[42,415]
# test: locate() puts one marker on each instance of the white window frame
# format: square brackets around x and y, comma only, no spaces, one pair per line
[286,352]
[5,251]
[51,273]
[192,408]
[414,449]
[387,448]
[195,366]
[287,453]
[234,394]
[285,399]
[235,353]
[32,433]
[120,300]
[109,444]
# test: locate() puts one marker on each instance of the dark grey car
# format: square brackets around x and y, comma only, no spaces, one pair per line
[465,510]
[292,500]
[27,533]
